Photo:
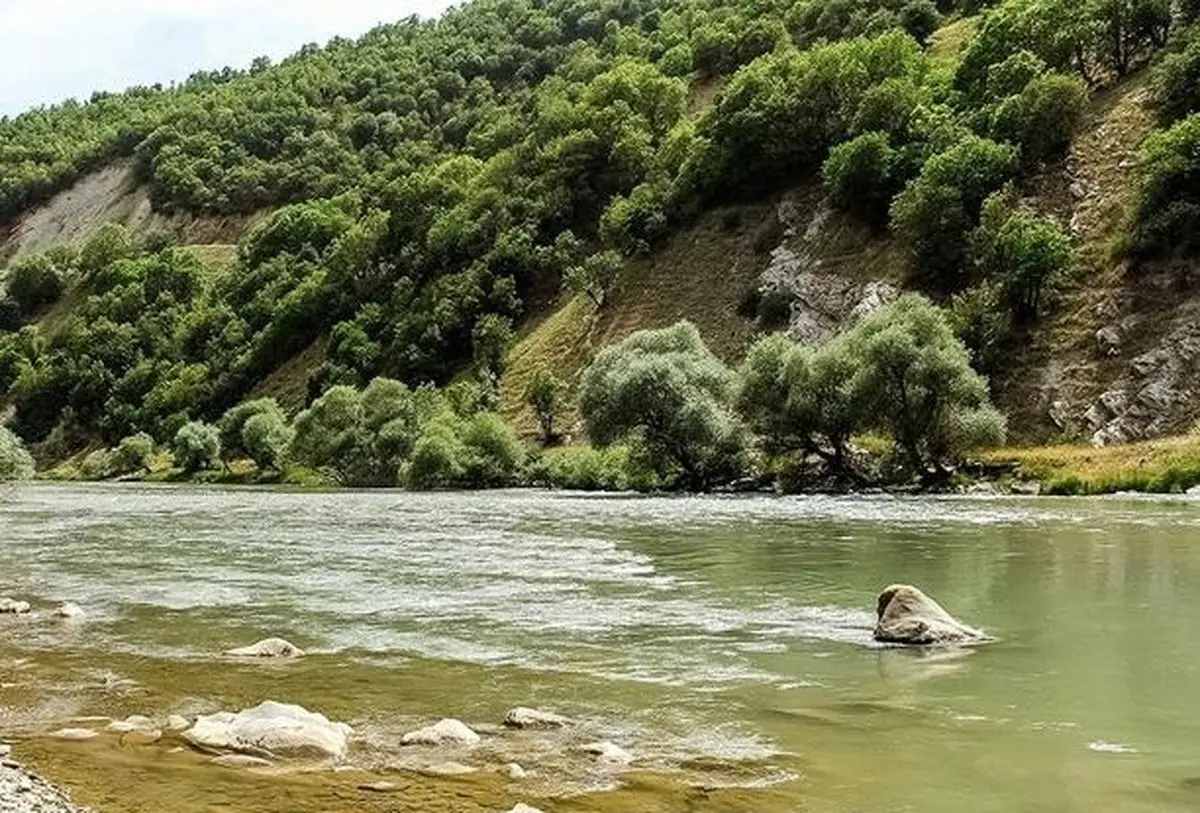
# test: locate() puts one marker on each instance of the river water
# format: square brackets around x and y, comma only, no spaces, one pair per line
[723,641]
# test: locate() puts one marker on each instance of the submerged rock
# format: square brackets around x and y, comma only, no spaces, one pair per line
[271,729]
[524,808]
[908,616]
[607,753]
[241,761]
[10,607]
[268,648]
[445,732]
[76,734]
[70,612]
[136,724]
[514,771]
[522,717]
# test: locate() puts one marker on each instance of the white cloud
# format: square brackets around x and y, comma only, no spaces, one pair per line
[55,49]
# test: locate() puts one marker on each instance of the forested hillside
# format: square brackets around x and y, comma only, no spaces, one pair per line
[419,197]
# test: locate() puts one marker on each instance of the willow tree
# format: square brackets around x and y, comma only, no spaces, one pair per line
[15,461]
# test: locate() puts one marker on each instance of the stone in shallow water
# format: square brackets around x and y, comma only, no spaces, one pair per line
[278,729]
[607,753]
[444,732]
[10,607]
[77,734]
[241,761]
[135,723]
[268,648]
[448,769]
[70,612]
[522,717]
[514,771]
[908,616]
[380,787]
[176,722]
[524,808]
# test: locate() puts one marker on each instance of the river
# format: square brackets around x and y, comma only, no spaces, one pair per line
[724,641]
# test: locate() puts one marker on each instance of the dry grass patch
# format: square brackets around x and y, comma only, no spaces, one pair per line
[1169,465]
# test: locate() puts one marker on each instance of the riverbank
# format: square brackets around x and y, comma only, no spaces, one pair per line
[1164,466]
[24,792]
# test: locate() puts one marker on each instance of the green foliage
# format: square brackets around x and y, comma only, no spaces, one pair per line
[33,283]
[666,387]
[1177,78]
[438,458]
[1168,213]
[585,468]
[1024,252]
[918,382]
[860,175]
[232,425]
[266,437]
[15,462]
[595,276]
[1042,118]
[197,447]
[132,454]
[544,395]
[935,211]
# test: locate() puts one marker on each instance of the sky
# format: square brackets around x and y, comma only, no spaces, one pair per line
[51,50]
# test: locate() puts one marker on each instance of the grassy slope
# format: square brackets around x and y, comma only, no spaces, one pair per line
[1165,465]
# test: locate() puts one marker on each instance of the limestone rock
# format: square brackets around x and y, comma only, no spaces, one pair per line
[522,717]
[241,761]
[524,808]
[271,728]
[607,753]
[75,734]
[134,724]
[11,607]
[268,648]
[70,612]
[514,771]
[908,616]
[445,732]
[177,723]
[380,787]
[448,769]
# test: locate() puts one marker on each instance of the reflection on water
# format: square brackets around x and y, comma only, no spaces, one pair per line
[725,641]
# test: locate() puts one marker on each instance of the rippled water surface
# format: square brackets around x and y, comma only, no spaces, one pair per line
[725,642]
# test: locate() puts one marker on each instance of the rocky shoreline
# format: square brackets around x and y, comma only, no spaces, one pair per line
[24,792]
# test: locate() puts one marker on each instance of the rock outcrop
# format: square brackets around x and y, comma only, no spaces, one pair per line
[444,732]
[24,792]
[268,648]
[908,616]
[271,730]
[524,718]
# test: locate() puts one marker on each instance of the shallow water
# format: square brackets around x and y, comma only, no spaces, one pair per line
[725,642]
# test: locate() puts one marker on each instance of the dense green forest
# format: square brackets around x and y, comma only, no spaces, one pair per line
[421,186]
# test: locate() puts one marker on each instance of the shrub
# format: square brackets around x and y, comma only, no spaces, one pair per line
[545,392]
[586,468]
[266,437]
[859,175]
[34,283]
[1177,80]
[666,387]
[494,454]
[197,446]
[133,454]
[1024,252]
[15,462]
[438,458]
[1168,213]
[233,423]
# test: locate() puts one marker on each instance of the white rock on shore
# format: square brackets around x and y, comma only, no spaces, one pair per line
[268,648]
[23,792]
[275,729]
[444,732]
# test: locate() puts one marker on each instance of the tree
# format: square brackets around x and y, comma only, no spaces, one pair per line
[544,393]
[1168,210]
[917,383]
[935,211]
[34,282]
[15,462]
[666,387]
[1177,80]
[860,176]
[133,454]
[595,276]
[197,446]
[233,423]
[112,242]
[1024,252]
[266,437]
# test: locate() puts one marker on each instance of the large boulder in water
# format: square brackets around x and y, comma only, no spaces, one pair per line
[271,729]
[908,616]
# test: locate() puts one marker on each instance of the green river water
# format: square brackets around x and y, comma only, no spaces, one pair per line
[723,641]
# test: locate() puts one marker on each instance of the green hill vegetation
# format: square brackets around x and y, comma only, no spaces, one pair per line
[424,199]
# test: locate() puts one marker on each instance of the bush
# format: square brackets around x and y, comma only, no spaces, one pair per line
[1024,252]
[935,211]
[494,454]
[34,283]
[133,454]
[233,423]
[545,392]
[266,437]
[438,458]
[859,175]
[1051,111]
[1177,80]
[15,462]
[197,446]
[666,387]
[1168,213]
[586,468]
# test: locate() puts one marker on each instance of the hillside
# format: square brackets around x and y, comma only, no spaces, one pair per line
[449,201]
